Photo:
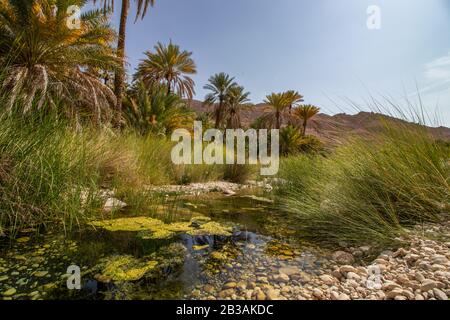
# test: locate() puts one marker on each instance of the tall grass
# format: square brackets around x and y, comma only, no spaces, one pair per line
[51,172]
[369,190]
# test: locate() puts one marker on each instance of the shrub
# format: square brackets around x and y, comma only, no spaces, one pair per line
[369,191]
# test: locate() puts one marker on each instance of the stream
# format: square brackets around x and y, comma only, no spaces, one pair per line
[206,246]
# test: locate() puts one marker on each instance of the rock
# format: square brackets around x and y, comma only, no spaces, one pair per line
[343,296]
[402,279]
[439,259]
[260,295]
[343,257]
[347,268]
[113,204]
[408,294]
[229,285]
[334,295]
[337,274]
[439,294]
[208,288]
[281,277]
[381,261]
[400,253]
[9,292]
[289,271]
[364,249]
[225,293]
[428,285]
[419,277]
[390,285]
[272,295]
[394,293]
[400,298]
[328,280]
[228,192]
[419,297]
[317,293]
[352,275]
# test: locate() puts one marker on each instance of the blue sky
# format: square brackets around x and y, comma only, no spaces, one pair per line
[321,48]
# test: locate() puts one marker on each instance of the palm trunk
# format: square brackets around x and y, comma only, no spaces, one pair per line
[169,87]
[278,124]
[304,126]
[218,114]
[119,79]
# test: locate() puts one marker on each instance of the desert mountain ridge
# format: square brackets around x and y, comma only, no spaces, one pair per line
[330,128]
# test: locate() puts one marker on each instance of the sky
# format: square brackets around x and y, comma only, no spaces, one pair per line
[322,48]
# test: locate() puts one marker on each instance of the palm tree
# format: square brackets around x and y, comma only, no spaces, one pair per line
[279,102]
[46,62]
[142,6]
[155,110]
[305,112]
[235,99]
[290,140]
[294,98]
[219,85]
[169,66]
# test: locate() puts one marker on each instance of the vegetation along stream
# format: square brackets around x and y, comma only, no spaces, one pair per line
[206,243]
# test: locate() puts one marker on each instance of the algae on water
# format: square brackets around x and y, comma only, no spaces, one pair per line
[127,268]
[150,228]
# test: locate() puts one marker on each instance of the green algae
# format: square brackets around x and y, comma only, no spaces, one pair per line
[126,268]
[150,228]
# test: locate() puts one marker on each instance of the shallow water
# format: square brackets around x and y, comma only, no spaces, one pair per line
[262,240]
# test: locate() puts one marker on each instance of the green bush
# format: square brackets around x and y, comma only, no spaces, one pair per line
[369,190]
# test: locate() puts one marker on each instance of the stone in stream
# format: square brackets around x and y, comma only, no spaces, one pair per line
[272,294]
[327,279]
[229,285]
[113,204]
[343,257]
[289,271]
[208,288]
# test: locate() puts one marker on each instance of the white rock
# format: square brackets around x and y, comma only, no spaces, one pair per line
[327,279]
[428,285]
[439,294]
[113,204]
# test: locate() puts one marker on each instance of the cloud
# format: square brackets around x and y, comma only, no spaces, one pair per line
[437,75]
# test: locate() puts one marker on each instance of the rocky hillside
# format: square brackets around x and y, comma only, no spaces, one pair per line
[332,129]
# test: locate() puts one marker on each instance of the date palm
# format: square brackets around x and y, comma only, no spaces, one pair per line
[305,113]
[219,85]
[294,98]
[46,62]
[168,66]
[142,7]
[279,102]
[155,110]
[236,98]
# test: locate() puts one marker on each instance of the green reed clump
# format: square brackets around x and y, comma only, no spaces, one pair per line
[52,172]
[369,190]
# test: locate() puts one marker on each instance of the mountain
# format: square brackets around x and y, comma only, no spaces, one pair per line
[332,129]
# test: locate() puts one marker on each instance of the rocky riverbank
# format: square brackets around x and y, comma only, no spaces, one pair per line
[420,270]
